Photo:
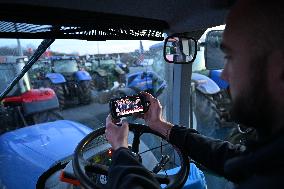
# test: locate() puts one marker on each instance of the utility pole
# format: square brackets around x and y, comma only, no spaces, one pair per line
[99,64]
[20,50]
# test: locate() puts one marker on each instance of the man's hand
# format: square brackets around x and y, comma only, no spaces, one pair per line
[116,136]
[154,118]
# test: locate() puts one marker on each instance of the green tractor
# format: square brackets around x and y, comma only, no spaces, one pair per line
[38,71]
[107,72]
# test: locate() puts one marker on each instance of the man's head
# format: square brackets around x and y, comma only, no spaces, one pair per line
[253,42]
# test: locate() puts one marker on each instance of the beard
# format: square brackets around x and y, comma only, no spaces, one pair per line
[253,107]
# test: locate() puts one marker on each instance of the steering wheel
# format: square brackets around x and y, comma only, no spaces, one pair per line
[80,165]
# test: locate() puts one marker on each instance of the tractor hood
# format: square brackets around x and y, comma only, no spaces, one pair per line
[54,140]
[28,152]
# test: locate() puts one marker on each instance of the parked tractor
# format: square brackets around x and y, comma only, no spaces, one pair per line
[71,85]
[107,71]
[212,100]
[24,106]
[147,81]
[38,71]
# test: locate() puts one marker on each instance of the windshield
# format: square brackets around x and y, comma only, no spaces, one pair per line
[110,69]
[101,71]
[65,66]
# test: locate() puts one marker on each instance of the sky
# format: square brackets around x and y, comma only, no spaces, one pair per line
[84,47]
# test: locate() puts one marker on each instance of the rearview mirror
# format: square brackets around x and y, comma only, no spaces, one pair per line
[180,49]
[214,57]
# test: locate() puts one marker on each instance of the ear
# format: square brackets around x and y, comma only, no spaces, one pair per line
[275,73]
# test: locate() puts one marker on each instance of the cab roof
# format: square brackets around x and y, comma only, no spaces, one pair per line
[45,18]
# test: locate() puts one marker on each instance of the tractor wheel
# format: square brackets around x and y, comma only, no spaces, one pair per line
[100,83]
[122,78]
[93,84]
[47,116]
[208,121]
[85,93]
[59,91]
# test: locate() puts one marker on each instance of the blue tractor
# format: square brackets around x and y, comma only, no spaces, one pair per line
[147,81]
[46,156]
[212,97]
[71,85]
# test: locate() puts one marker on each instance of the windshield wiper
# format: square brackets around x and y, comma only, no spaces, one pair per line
[39,51]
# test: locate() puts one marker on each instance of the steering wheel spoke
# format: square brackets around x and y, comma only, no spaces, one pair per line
[136,141]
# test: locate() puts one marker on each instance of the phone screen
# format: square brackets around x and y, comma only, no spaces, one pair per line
[127,106]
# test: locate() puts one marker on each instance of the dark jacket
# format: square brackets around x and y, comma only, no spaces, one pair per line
[126,172]
[259,165]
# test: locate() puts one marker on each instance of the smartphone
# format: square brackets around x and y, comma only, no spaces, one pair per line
[128,105]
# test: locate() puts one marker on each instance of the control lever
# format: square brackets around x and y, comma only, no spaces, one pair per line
[164,160]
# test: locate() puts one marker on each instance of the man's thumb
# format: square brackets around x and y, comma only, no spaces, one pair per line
[124,123]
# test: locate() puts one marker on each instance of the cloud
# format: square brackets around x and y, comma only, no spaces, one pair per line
[84,47]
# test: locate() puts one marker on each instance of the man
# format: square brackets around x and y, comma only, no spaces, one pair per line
[253,46]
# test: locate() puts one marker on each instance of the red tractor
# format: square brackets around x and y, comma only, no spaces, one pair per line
[24,106]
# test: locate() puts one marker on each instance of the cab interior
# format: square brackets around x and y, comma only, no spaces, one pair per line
[125,21]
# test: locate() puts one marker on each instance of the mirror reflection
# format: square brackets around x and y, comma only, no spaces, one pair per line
[180,50]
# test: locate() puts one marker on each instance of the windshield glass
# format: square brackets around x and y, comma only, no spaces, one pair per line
[65,66]
[102,71]
[109,69]
[115,68]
